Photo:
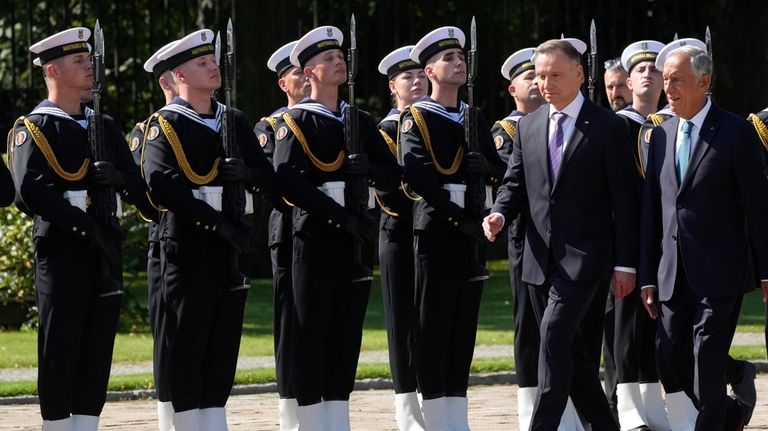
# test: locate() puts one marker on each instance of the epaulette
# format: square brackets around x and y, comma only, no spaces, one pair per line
[762,129]
[418,117]
[271,120]
[508,127]
[644,136]
[319,164]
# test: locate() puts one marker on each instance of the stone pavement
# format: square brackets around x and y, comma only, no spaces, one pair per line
[491,408]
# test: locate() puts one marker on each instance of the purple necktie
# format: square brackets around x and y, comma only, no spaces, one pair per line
[556,145]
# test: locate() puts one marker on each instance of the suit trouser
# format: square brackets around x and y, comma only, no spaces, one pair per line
[328,319]
[635,341]
[448,305]
[609,333]
[566,354]
[526,326]
[397,288]
[77,327]
[282,303]
[204,321]
[695,334]
[156,312]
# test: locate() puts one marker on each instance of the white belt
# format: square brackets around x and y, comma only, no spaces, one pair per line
[210,195]
[79,198]
[457,192]
[334,190]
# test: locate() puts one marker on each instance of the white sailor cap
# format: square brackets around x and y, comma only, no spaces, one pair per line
[437,40]
[576,43]
[517,63]
[316,41]
[398,61]
[191,46]
[638,52]
[675,44]
[60,44]
[156,66]
[280,60]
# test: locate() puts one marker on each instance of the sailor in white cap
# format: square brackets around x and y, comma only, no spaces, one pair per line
[156,306]
[437,168]
[572,167]
[407,84]
[704,164]
[184,170]
[78,304]
[292,81]
[640,403]
[312,166]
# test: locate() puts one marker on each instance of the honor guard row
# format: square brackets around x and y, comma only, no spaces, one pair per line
[643,201]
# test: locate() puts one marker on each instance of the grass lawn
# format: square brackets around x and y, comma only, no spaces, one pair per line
[19,348]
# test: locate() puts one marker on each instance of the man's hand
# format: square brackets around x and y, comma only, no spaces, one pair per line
[623,283]
[764,285]
[104,174]
[646,295]
[234,171]
[492,225]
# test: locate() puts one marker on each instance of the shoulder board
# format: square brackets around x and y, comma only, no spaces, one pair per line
[272,121]
[761,128]
[509,127]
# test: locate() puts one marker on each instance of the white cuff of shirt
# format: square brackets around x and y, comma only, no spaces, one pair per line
[625,269]
[503,220]
[647,286]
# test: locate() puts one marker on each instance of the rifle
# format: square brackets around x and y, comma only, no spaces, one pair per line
[708,41]
[475,183]
[233,201]
[103,198]
[357,187]
[592,60]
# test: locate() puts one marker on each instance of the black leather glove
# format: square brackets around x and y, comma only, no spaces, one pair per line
[232,236]
[360,228]
[234,171]
[108,246]
[475,164]
[356,165]
[105,174]
[472,229]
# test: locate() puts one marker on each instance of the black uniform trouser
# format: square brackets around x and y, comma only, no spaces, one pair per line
[398,287]
[282,256]
[329,312]
[635,341]
[526,327]
[204,321]
[567,357]
[77,326]
[448,305]
[695,334]
[156,313]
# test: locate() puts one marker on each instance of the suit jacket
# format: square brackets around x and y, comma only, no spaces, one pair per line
[715,219]
[588,219]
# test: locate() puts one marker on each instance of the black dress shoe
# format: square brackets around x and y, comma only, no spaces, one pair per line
[744,391]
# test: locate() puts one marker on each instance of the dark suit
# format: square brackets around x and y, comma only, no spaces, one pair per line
[6,186]
[580,227]
[697,249]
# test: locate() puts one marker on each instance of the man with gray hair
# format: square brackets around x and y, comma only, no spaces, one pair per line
[705,196]
[619,95]
[572,166]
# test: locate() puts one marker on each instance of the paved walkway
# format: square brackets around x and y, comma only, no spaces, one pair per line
[491,408]
[371,357]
